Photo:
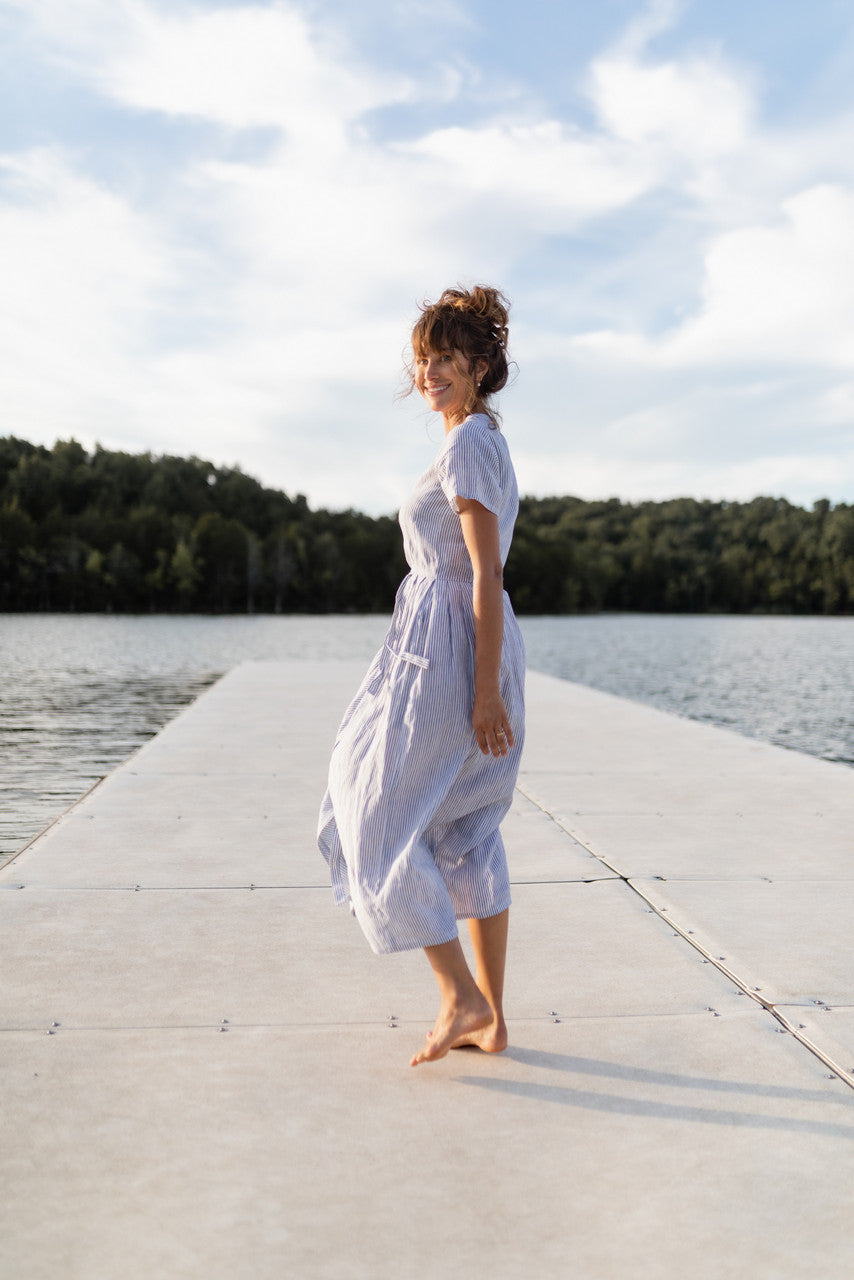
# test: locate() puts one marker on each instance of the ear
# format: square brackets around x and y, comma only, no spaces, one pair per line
[479,370]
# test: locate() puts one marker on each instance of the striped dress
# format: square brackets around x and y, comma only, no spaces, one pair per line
[409,823]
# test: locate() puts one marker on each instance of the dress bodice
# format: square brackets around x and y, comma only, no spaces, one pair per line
[474,463]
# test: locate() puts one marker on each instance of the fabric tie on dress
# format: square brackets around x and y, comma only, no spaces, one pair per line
[403,656]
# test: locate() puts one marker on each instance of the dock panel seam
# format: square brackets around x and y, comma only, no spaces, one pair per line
[785,1023]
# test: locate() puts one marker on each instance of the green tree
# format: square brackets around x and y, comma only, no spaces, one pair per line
[221,551]
[184,574]
[112,530]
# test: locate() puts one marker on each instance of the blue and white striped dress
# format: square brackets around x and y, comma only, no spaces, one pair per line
[409,824]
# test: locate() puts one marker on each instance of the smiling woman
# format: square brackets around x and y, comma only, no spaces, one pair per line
[446,383]
[459,353]
[427,755]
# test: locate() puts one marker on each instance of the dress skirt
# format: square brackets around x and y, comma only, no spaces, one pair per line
[410,822]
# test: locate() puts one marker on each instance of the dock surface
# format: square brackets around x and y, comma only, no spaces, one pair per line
[204,1068]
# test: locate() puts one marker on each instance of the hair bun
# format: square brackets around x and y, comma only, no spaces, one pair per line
[483,302]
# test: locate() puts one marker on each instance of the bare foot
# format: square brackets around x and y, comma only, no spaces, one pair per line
[453,1024]
[491,1038]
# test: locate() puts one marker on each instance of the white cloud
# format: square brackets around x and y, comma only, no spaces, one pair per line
[801,477]
[836,405]
[552,171]
[594,474]
[655,17]
[774,295]
[82,276]
[253,66]
[695,108]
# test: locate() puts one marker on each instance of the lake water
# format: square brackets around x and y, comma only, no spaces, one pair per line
[79,693]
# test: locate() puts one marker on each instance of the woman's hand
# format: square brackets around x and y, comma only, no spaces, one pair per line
[491,725]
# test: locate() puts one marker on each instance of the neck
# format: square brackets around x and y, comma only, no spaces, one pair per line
[456,419]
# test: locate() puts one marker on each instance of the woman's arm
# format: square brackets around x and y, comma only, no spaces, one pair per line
[489,715]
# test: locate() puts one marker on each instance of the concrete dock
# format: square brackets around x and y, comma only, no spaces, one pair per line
[204,1069]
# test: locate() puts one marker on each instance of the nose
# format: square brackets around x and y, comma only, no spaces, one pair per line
[432,367]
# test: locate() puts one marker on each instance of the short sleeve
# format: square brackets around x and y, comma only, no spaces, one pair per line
[471,468]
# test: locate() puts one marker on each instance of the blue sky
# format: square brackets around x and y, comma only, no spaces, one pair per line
[216,220]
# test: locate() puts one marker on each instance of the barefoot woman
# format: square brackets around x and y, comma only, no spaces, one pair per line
[426,759]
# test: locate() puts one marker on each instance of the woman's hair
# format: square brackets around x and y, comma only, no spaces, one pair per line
[473,322]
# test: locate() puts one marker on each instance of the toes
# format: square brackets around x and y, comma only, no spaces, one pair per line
[427,1054]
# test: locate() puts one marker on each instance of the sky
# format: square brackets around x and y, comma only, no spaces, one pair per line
[218,217]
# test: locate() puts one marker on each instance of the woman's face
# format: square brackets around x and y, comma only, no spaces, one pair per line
[444,380]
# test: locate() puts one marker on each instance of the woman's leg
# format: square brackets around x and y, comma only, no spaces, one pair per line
[464,1010]
[489,939]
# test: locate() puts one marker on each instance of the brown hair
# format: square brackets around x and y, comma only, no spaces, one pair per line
[473,322]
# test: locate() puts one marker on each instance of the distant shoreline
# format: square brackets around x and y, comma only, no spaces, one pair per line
[135,534]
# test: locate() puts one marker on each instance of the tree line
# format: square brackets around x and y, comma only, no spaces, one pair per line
[112,531]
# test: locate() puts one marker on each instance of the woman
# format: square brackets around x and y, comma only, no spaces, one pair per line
[427,755]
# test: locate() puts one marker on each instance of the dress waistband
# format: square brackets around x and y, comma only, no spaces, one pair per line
[459,580]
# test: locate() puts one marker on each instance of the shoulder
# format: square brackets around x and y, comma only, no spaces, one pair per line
[478,424]
[477,434]
[474,462]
